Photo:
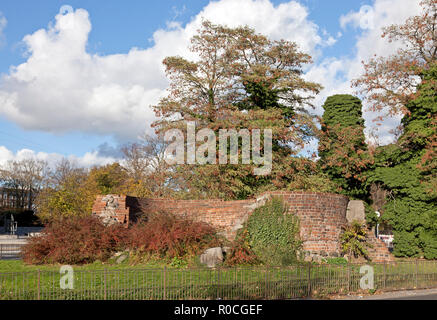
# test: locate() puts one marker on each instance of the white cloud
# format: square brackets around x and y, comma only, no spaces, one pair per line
[286,21]
[88,160]
[63,88]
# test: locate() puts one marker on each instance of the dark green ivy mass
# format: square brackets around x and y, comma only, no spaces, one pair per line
[342,147]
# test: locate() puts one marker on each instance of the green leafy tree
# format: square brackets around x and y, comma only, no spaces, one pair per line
[69,194]
[342,148]
[72,191]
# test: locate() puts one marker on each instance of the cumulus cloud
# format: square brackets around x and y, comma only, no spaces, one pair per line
[88,160]
[286,21]
[63,88]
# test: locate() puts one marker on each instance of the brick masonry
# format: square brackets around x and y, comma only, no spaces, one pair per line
[321,216]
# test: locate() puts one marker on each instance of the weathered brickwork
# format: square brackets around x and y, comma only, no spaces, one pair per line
[321,218]
[122,212]
[321,215]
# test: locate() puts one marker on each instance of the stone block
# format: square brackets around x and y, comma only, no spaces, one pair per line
[355,211]
[212,257]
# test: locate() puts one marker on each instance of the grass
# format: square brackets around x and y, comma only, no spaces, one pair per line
[20,266]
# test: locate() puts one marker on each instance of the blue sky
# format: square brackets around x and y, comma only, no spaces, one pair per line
[118,26]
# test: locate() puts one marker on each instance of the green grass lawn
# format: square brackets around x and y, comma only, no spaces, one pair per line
[159,280]
[151,281]
[20,266]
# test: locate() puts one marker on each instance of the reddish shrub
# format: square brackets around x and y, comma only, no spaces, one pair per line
[241,253]
[79,240]
[171,236]
[75,240]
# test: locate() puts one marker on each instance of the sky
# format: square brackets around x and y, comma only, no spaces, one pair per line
[77,78]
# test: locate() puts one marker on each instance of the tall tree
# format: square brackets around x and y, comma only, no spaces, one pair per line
[407,170]
[405,83]
[145,163]
[342,148]
[241,80]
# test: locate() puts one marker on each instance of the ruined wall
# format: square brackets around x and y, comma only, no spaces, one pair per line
[321,215]
[119,212]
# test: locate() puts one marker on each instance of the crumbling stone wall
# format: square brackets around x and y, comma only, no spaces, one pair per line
[113,207]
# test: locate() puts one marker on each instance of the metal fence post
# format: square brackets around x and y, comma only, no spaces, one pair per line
[39,286]
[385,275]
[218,282]
[1,251]
[164,284]
[309,279]
[416,274]
[104,296]
[266,295]
[348,277]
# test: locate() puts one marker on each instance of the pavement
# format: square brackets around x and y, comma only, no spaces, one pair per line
[426,294]
[10,245]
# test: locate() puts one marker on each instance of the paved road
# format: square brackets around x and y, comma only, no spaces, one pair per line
[428,294]
[425,297]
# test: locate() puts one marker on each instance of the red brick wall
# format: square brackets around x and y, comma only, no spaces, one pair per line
[223,215]
[379,251]
[321,215]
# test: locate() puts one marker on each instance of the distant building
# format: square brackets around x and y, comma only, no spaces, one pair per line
[11,199]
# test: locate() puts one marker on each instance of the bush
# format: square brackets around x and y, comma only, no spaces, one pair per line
[240,252]
[354,242]
[75,240]
[170,236]
[78,240]
[272,233]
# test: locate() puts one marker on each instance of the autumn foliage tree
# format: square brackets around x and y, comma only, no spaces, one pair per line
[389,83]
[72,190]
[241,79]
[148,171]
[405,83]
